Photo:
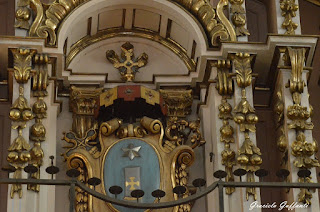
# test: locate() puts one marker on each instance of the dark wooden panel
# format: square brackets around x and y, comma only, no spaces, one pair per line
[257,20]
[267,142]
[5,130]
[7,16]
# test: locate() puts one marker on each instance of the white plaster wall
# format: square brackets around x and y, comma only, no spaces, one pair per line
[161,61]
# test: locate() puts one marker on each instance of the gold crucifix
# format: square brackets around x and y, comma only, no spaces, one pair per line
[132,183]
[127,64]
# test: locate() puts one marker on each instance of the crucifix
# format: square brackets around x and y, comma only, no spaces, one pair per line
[127,64]
[132,183]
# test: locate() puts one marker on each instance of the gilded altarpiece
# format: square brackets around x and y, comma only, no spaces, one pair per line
[142,153]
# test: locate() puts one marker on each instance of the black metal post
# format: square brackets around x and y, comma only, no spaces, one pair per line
[72,193]
[221,200]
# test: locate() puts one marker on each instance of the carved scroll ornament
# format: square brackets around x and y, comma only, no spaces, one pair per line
[49,18]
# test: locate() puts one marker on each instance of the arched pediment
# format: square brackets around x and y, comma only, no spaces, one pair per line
[55,21]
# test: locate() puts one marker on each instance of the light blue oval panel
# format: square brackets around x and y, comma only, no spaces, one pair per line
[142,172]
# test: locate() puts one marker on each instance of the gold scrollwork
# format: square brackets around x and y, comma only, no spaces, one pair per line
[239,17]
[23,14]
[182,132]
[214,21]
[185,159]
[47,21]
[82,198]
[296,58]
[289,8]
[49,18]
[40,78]
[224,81]
[109,127]
[127,64]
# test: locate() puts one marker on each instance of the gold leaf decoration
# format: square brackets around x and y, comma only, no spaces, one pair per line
[289,8]
[20,114]
[49,18]
[250,159]
[245,115]
[239,17]
[23,15]
[22,64]
[242,65]
[127,65]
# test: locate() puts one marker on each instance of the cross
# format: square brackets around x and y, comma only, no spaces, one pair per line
[127,64]
[132,183]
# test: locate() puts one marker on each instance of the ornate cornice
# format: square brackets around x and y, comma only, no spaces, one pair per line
[49,18]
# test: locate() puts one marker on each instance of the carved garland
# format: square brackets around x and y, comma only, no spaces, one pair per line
[300,148]
[289,8]
[225,89]
[49,18]
[282,141]
[20,114]
[249,154]
[37,130]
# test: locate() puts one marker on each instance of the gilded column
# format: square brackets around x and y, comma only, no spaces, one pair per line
[20,114]
[296,132]
[220,133]
[249,155]
[38,130]
[225,89]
